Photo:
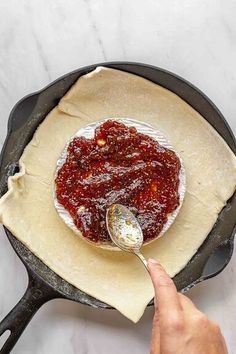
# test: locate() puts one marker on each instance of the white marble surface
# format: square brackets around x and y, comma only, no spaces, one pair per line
[43,39]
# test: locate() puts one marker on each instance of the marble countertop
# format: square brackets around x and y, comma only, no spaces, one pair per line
[41,40]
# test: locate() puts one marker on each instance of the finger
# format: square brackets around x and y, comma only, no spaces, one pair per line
[155,340]
[186,303]
[188,306]
[165,292]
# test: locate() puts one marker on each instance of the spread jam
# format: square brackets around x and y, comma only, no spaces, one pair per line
[118,165]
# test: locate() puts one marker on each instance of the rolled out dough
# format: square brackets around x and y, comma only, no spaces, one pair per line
[117,278]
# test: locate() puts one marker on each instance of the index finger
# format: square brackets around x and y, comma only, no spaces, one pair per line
[167,300]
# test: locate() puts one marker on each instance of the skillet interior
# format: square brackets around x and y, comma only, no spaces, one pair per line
[25,117]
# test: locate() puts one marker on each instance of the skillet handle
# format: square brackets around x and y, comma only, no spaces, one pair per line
[37,294]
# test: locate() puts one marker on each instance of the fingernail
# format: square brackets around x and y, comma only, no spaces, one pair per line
[152,261]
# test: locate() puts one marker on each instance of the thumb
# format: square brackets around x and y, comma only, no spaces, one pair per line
[158,275]
[165,291]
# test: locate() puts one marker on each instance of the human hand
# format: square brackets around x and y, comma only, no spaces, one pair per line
[178,326]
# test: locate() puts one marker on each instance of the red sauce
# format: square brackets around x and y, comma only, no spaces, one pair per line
[119,165]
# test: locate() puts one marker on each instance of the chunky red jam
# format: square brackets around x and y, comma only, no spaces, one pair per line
[119,165]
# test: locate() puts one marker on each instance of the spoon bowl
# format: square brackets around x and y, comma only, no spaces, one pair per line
[125,230]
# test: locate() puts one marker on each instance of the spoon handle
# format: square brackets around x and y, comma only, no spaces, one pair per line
[142,259]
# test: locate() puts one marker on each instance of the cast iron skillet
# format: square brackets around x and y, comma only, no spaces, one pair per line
[44,284]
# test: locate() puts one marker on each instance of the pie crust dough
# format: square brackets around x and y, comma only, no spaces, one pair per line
[117,278]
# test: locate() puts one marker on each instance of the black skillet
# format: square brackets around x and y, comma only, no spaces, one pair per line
[44,284]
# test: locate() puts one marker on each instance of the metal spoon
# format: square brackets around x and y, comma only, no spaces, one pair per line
[124,230]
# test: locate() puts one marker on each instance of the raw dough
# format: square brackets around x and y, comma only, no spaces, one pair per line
[116,278]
